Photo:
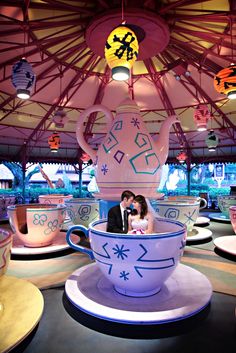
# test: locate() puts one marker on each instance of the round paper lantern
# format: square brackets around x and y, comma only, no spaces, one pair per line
[225,81]
[212,141]
[121,51]
[54,142]
[201,117]
[182,156]
[23,78]
[60,118]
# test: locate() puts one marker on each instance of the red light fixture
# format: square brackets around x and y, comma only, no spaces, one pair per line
[182,156]
[201,117]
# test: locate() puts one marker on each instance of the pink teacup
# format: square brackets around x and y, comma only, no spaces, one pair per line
[54,198]
[232,214]
[36,224]
[5,250]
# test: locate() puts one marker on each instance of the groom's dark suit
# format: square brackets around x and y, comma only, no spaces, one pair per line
[114,222]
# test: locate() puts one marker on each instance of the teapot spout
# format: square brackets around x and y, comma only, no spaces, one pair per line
[162,144]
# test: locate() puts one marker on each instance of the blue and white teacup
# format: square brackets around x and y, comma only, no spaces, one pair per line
[185,211]
[137,265]
[82,211]
[224,203]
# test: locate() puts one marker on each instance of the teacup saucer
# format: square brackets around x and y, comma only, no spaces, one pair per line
[198,233]
[59,244]
[226,243]
[202,220]
[218,217]
[89,290]
[22,309]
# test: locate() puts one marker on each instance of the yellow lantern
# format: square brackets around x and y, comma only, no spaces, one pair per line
[121,51]
[225,81]
[54,142]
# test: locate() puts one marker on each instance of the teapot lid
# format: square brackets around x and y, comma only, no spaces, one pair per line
[128,106]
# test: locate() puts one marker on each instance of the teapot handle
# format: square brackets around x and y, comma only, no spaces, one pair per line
[80,127]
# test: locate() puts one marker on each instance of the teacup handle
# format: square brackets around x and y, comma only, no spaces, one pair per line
[204,203]
[78,247]
[80,127]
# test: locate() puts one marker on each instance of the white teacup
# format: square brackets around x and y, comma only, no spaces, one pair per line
[224,203]
[185,211]
[137,265]
[54,198]
[83,210]
[36,224]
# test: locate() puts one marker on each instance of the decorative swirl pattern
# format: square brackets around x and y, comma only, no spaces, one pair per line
[84,212]
[144,162]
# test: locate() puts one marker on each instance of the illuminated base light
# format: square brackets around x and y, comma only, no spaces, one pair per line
[232,95]
[211,149]
[23,93]
[120,73]
[54,150]
[201,128]
[181,162]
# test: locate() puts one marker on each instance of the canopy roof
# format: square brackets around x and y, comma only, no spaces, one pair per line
[64,42]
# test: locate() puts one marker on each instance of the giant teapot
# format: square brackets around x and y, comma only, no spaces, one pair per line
[128,158]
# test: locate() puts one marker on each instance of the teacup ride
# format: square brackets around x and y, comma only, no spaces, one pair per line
[137,279]
[228,243]
[186,211]
[224,203]
[21,302]
[37,228]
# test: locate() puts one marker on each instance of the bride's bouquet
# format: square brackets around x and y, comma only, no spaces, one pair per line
[137,232]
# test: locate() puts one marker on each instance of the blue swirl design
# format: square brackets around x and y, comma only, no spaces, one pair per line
[172,213]
[111,140]
[39,219]
[71,214]
[84,212]
[144,162]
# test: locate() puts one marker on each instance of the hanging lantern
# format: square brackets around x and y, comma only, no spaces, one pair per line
[23,78]
[60,118]
[54,142]
[201,117]
[85,157]
[182,156]
[225,81]
[212,141]
[121,51]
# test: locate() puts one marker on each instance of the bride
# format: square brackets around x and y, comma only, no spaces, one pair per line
[141,220]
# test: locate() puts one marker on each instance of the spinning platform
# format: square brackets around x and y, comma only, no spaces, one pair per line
[59,244]
[226,243]
[184,294]
[22,309]
[198,233]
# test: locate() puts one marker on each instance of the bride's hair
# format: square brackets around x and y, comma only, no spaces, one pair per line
[143,203]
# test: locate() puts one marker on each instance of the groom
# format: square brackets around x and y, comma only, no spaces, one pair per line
[118,215]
